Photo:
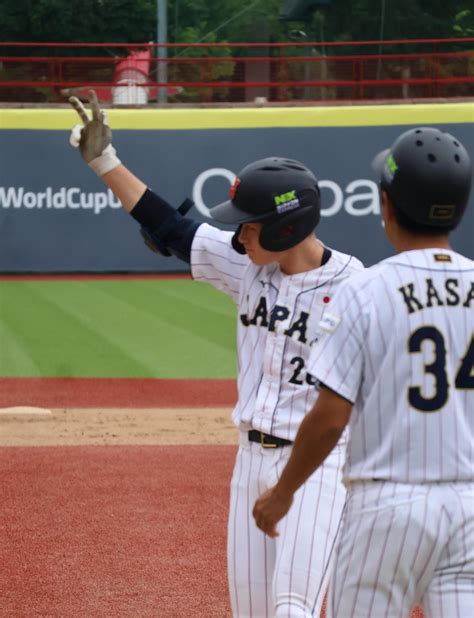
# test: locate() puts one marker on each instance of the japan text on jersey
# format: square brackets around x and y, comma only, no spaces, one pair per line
[278,318]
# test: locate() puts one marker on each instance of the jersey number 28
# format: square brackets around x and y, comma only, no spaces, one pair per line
[464,377]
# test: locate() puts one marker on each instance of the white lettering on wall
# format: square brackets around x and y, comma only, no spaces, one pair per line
[200,182]
[72,197]
[359,198]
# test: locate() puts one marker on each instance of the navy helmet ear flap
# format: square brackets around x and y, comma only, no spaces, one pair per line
[285,232]
[236,244]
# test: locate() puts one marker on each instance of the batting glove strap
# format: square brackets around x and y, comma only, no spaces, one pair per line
[107,161]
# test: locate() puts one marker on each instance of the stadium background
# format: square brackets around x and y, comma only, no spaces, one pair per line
[67,339]
[58,217]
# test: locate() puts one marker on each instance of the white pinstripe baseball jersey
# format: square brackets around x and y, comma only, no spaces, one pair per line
[277,321]
[399,344]
[278,317]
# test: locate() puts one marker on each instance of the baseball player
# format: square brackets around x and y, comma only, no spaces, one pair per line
[395,356]
[282,280]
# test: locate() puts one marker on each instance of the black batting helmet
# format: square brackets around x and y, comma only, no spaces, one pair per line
[282,194]
[427,175]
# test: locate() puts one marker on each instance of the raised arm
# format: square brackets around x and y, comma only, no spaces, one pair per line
[94,140]
[165,230]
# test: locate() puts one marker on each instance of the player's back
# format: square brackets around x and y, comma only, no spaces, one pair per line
[414,418]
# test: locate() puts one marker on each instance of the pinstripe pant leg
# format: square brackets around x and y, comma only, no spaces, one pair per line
[387,551]
[250,553]
[306,542]
[450,594]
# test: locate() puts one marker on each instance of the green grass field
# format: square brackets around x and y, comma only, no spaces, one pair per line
[165,328]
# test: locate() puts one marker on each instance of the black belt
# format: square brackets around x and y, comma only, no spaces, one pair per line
[266,440]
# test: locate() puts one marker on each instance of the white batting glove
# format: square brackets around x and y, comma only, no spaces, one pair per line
[94,137]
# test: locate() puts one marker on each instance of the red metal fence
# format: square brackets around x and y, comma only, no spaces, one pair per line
[238,73]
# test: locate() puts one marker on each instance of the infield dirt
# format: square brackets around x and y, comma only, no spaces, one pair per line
[119,426]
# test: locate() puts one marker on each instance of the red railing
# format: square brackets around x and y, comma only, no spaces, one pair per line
[236,73]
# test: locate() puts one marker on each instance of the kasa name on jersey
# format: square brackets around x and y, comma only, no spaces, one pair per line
[421,295]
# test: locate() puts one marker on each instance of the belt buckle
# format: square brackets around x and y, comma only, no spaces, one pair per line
[264,444]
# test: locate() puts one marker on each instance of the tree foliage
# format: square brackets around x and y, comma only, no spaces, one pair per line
[87,21]
[232,21]
[402,19]
[464,23]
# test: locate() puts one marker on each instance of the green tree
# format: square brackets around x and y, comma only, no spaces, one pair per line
[359,20]
[87,21]
[229,20]
[213,21]
[133,21]
[464,23]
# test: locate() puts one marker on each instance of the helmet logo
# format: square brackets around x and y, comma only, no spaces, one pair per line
[234,188]
[286,201]
[442,212]
[391,165]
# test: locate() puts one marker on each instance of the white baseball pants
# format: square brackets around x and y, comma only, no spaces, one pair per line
[286,576]
[401,545]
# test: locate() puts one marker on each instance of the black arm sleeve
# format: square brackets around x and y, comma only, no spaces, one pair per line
[164,229]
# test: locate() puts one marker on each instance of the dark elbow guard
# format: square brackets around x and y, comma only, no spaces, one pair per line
[165,230]
[175,237]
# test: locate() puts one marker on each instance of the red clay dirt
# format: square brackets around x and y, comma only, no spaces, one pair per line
[114,531]
[116,392]
[122,531]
